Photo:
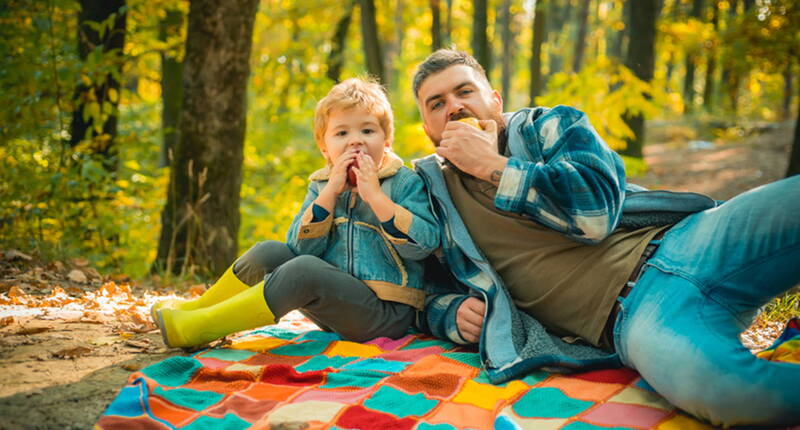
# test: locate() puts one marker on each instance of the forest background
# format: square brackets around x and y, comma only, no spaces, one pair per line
[167,137]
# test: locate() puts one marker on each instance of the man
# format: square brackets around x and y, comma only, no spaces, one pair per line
[539,229]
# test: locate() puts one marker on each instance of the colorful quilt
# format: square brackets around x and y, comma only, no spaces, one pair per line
[292,378]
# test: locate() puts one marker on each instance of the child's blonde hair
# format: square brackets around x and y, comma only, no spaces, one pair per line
[354,92]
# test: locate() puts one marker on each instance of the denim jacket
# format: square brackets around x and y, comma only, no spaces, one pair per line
[353,239]
[560,174]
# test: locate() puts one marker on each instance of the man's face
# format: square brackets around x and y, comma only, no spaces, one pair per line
[456,92]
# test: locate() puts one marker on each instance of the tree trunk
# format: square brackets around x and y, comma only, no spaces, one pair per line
[617,43]
[480,41]
[794,157]
[691,60]
[448,24]
[394,48]
[436,26]
[200,222]
[507,37]
[539,35]
[787,93]
[641,60]
[371,41]
[99,100]
[580,40]
[558,14]
[711,63]
[728,80]
[336,55]
[171,85]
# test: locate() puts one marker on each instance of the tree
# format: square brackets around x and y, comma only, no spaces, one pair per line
[691,60]
[436,25]
[618,41]
[580,40]
[711,62]
[371,41]
[641,60]
[171,83]
[507,37]
[480,40]
[794,157]
[101,39]
[539,36]
[200,221]
[336,54]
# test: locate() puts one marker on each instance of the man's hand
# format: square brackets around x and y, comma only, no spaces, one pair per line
[472,150]
[469,319]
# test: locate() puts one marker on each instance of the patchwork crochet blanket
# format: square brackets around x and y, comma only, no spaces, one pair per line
[294,378]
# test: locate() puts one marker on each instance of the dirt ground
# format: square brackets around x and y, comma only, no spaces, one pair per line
[61,366]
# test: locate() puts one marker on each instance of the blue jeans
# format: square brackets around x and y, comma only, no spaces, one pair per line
[680,325]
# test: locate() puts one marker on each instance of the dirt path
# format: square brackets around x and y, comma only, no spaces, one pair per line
[62,370]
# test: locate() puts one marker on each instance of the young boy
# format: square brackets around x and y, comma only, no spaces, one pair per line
[353,258]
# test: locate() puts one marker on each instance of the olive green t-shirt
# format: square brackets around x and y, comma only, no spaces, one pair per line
[569,287]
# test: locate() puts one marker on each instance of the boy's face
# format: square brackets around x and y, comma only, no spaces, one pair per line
[354,129]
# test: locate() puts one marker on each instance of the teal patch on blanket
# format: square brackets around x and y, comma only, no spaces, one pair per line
[353,378]
[579,425]
[173,371]
[400,404]
[549,403]
[228,422]
[188,398]
[128,402]
[319,362]
[280,333]
[300,349]
[228,354]
[378,364]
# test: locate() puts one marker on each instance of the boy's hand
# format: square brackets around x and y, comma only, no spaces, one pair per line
[368,185]
[370,188]
[337,181]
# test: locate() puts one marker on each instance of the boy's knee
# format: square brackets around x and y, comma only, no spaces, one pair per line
[263,256]
[306,268]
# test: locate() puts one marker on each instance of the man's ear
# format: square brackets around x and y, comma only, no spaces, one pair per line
[427,132]
[498,100]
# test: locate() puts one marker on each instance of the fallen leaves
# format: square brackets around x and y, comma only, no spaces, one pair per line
[71,353]
[77,276]
[27,331]
[13,254]
[7,321]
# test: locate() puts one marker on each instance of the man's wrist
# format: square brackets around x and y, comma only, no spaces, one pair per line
[494,169]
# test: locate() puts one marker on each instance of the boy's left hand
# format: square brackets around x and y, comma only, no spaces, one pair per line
[368,185]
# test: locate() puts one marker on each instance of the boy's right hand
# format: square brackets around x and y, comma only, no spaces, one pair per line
[338,178]
[337,181]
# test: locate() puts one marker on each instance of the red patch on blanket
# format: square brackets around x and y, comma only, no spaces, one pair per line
[610,376]
[281,374]
[359,417]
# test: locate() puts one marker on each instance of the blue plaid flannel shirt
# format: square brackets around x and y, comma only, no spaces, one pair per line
[562,175]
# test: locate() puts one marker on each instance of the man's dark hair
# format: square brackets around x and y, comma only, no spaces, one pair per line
[441,60]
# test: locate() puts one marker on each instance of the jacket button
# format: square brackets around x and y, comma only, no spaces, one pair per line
[305,230]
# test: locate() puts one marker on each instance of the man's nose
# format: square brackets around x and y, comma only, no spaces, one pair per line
[454,108]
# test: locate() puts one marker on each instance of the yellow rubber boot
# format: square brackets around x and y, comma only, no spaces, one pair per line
[186,329]
[228,285]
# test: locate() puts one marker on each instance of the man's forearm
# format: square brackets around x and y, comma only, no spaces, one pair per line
[493,170]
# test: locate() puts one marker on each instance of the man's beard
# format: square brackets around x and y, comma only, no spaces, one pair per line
[501,141]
